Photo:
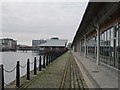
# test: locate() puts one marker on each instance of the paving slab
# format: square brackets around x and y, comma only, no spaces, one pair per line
[53,74]
[62,73]
[98,76]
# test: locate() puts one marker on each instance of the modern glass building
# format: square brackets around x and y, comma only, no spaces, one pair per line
[98,35]
[109,46]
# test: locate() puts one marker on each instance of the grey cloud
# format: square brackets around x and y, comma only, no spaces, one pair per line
[41,19]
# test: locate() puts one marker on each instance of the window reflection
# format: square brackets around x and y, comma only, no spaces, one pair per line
[109,46]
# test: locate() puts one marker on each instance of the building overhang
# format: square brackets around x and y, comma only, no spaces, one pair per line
[97,13]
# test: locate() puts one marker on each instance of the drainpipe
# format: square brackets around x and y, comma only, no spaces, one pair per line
[98,45]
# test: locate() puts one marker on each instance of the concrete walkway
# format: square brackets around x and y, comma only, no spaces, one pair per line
[97,76]
[62,73]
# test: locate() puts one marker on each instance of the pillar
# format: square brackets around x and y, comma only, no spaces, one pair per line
[85,53]
[98,45]
[80,47]
[87,47]
[95,47]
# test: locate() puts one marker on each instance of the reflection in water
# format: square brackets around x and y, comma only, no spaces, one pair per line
[9,60]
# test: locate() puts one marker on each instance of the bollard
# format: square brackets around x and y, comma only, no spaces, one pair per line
[35,69]
[44,61]
[18,74]
[1,77]
[53,57]
[40,63]
[49,59]
[28,69]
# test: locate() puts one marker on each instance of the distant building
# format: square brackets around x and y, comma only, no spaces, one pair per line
[37,42]
[53,44]
[24,48]
[7,44]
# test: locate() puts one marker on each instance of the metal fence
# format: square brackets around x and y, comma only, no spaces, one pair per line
[48,58]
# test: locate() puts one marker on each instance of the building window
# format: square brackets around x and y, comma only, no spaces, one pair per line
[91,47]
[109,46]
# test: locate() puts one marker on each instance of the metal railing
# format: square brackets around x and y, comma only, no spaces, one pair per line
[48,58]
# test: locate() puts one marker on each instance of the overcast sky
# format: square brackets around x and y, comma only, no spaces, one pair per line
[27,21]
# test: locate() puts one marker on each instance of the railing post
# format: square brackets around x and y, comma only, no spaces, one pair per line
[35,69]
[28,69]
[40,63]
[54,55]
[18,74]
[44,61]
[1,77]
[49,59]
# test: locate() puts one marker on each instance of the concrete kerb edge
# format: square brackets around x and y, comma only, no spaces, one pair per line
[32,80]
[91,83]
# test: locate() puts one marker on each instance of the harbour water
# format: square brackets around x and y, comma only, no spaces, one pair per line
[9,60]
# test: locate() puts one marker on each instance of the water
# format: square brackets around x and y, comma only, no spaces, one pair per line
[9,60]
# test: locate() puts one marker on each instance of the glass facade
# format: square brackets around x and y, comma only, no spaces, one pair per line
[109,46]
[91,47]
[82,47]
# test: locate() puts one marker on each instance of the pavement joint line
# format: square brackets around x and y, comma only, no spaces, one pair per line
[53,73]
[64,76]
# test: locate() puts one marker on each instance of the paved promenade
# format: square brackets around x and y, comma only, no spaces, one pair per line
[62,73]
[97,76]
[72,70]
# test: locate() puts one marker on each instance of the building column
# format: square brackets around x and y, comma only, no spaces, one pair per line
[77,47]
[87,47]
[114,47]
[80,47]
[95,47]
[98,45]
[85,53]
[73,48]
